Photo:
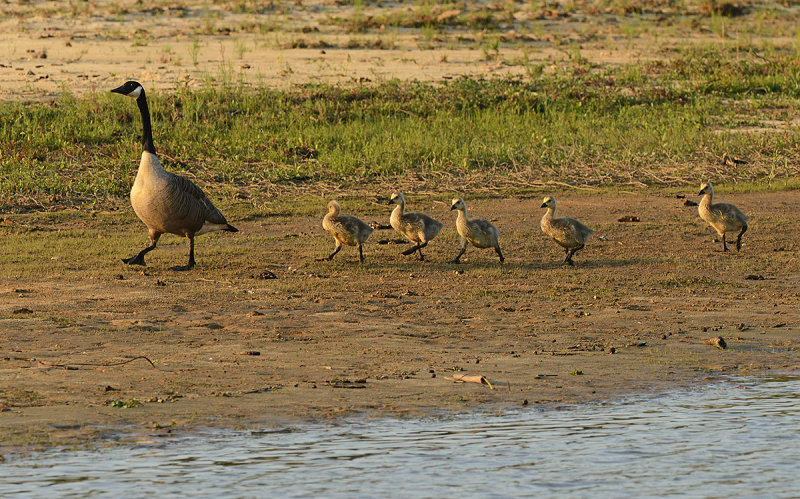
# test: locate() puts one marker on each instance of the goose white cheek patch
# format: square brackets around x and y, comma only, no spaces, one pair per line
[136,93]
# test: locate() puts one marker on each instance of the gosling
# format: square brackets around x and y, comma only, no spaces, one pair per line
[567,232]
[346,230]
[479,233]
[723,217]
[417,227]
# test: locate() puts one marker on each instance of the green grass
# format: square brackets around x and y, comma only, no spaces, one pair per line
[656,123]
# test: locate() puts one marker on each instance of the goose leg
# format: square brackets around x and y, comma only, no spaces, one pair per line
[739,239]
[338,248]
[499,253]
[360,253]
[139,258]
[190,264]
[463,250]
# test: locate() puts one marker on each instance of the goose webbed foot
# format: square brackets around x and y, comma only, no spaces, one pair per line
[455,260]
[139,258]
[410,250]
[135,260]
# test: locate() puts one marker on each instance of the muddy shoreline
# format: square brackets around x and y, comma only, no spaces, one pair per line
[330,339]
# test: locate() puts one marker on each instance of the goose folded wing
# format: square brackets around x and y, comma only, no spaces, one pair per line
[194,198]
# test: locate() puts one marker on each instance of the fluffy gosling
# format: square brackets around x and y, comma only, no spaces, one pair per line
[567,232]
[723,217]
[479,233]
[346,230]
[417,227]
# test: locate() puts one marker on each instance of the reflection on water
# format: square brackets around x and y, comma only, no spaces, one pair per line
[726,440]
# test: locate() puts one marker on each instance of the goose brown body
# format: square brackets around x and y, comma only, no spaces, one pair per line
[569,233]
[346,230]
[165,202]
[723,217]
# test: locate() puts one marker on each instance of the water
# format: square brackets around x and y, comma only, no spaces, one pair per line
[735,439]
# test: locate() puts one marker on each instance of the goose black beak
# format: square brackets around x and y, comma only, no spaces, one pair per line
[119,90]
[544,205]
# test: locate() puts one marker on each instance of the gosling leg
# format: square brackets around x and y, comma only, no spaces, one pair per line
[724,246]
[360,253]
[568,259]
[411,250]
[190,264]
[421,256]
[139,258]
[460,253]
[499,253]
[338,248]
[739,239]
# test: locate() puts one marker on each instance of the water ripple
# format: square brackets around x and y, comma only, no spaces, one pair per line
[727,440]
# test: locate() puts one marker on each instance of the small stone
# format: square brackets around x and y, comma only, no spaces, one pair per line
[612,350]
[525,402]
[663,336]
[717,341]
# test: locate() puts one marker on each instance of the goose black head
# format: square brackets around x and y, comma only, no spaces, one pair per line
[132,89]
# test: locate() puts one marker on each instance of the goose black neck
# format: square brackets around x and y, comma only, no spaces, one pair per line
[147,132]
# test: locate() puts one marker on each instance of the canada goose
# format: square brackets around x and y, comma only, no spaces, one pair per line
[417,227]
[479,233]
[722,217]
[568,232]
[165,202]
[345,230]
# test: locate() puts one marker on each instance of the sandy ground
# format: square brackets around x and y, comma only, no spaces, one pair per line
[85,47]
[326,339]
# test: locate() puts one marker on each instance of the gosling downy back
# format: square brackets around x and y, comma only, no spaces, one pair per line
[723,217]
[417,227]
[569,233]
[346,230]
[477,232]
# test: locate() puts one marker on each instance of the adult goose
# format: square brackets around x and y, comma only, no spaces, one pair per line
[569,233]
[165,202]
[723,217]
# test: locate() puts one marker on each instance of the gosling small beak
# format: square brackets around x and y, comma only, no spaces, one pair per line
[701,193]
[544,205]
[391,201]
[452,207]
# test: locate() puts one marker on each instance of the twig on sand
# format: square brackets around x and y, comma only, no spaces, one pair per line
[93,364]
[470,378]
